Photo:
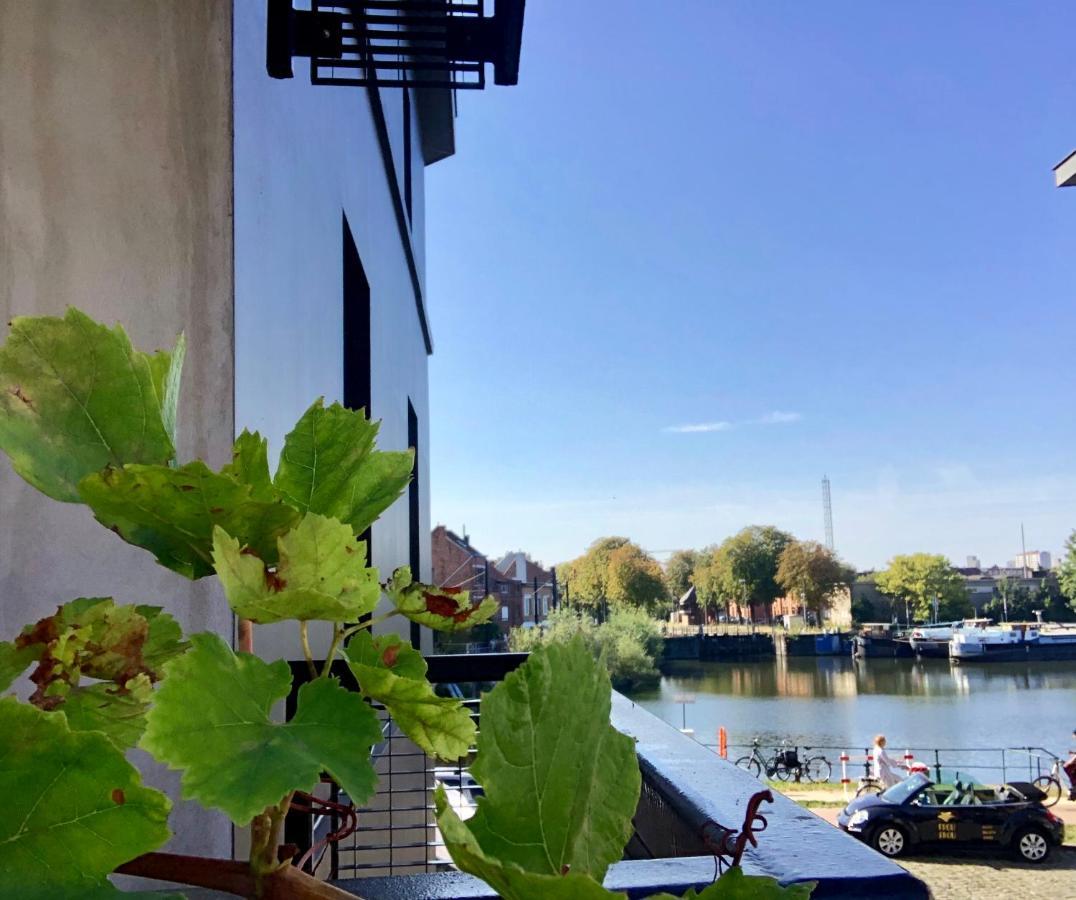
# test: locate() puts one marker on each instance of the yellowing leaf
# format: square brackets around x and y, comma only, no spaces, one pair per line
[250,465]
[394,673]
[329,466]
[321,574]
[172,512]
[441,608]
[211,720]
[118,712]
[76,397]
[75,809]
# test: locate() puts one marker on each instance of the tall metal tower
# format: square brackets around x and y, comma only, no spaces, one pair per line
[828,507]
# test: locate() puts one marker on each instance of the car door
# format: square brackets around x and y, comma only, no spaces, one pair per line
[931,820]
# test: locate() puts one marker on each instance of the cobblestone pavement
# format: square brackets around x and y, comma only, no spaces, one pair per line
[1001,878]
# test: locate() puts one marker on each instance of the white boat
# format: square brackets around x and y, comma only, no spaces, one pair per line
[1014,642]
[933,640]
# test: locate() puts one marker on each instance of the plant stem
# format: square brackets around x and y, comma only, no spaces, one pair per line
[305,638]
[338,634]
[369,623]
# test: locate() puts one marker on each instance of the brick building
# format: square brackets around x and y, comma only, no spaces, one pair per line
[512,580]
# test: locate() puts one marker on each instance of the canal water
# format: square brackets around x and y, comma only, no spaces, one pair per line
[838,702]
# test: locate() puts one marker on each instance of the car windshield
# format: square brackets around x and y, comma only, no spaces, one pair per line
[901,791]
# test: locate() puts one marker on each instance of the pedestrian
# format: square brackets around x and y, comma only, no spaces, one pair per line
[1070,768]
[883,766]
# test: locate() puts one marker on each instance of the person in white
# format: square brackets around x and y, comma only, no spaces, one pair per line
[884,766]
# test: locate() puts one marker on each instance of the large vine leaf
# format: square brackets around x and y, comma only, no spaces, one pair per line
[735,885]
[166,367]
[561,784]
[321,574]
[75,396]
[441,608]
[510,881]
[329,466]
[394,673]
[172,513]
[75,809]
[211,720]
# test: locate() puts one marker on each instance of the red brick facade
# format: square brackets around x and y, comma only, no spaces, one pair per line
[458,564]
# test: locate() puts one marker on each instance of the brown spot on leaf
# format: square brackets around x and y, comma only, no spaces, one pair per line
[44,631]
[273,581]
[565,869]
[18,394]
[187,487]
[390,655]
[216,510]
[118,797]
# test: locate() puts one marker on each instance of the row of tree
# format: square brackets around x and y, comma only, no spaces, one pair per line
[761,563]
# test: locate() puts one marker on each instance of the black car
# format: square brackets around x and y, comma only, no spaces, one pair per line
[916,813]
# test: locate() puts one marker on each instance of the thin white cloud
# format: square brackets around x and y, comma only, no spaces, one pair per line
[699,428]
[777,417]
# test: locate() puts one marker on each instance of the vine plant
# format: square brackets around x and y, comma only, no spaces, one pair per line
[86,418]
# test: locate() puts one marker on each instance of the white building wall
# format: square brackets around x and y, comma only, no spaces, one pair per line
[304,156]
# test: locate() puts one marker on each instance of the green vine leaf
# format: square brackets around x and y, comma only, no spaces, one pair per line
[509,880]
[166,367]
[321,574]
[394,673]
[164,640]
[211,720]
[329,466]
[560,783]
[75,396]
[735,885]
[75,808]
[250,465]
[172,512]
[441,608]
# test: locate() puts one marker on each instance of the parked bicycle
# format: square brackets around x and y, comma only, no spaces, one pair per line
[785,764]
[1050,784]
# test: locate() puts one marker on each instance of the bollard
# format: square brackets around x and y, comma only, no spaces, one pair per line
[845,780]
[723,742]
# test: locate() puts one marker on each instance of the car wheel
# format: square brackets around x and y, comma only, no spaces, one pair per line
[1031,845]
[889,840]
[750,764]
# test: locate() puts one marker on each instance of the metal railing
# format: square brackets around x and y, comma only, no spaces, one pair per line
[981,763]
[394,833]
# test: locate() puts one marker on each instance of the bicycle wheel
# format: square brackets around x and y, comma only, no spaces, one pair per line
[749,764]
[818,769]
[1051,787]
[780,771]
[869,786]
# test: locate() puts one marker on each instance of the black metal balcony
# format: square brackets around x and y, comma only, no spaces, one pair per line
[397,43]
[395,852]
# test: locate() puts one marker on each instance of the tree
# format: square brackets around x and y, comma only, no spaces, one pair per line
[743,567]
[680,572]
[920,578]
[1067,576]
[615,571]
[635,579]
[1012,601]
[811,572]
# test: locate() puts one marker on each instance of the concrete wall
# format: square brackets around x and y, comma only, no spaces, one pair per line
[115,197]
[304,156]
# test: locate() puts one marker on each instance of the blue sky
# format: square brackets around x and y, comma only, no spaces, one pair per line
[828,232]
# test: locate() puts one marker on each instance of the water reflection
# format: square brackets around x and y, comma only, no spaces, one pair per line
[840,702]
[844,677]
